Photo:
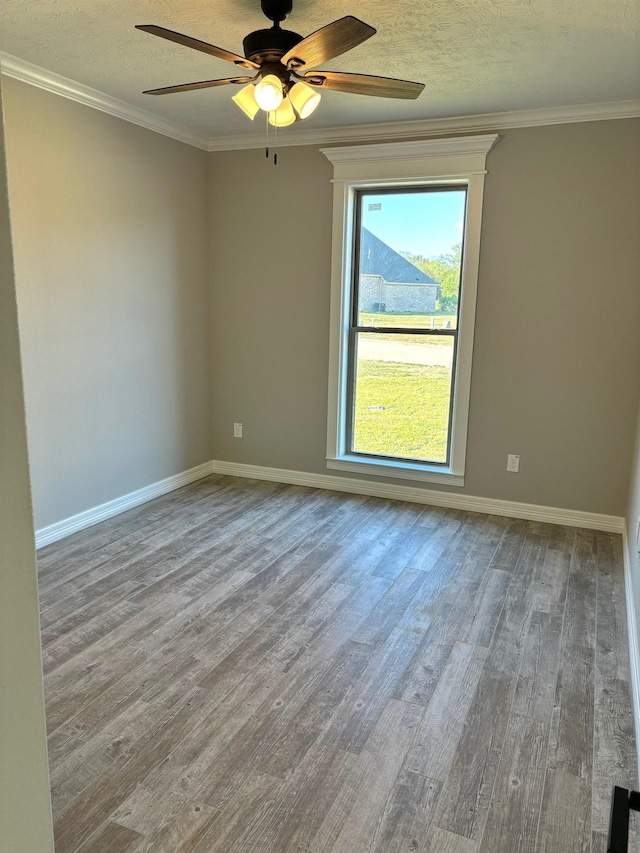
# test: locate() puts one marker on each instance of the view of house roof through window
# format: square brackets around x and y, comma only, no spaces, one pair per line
[391,283]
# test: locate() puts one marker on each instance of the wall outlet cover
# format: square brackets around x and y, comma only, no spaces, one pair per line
[513,463]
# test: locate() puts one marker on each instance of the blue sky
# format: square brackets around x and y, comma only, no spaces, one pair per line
[426,224]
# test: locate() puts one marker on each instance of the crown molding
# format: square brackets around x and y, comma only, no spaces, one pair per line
[27,72]
[484,122]
[421,148]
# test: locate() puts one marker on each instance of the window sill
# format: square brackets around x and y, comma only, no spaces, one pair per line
[397,470]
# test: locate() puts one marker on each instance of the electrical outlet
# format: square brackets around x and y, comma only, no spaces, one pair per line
[513,463]
[237,430]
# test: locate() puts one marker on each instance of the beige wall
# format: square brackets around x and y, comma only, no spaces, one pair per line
[555,375]
[25,811]
[270,232]
[110,224]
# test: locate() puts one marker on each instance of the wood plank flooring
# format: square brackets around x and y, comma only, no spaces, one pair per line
[244,667]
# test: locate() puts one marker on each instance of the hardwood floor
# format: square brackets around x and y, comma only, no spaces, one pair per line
[243,666]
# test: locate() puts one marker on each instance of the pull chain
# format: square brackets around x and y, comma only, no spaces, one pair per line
[275,142]
[275,145]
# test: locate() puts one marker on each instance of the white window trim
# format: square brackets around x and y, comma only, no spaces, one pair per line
[424,163]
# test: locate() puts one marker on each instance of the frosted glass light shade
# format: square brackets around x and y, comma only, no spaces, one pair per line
[304,99]
[268,93]
[246,100]
[283,116]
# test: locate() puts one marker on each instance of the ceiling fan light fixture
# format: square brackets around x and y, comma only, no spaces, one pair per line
[283,116]
[277,55]
[304,99]
[268,93]
[246,100]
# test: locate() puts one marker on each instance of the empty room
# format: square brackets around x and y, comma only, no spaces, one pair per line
[319,426]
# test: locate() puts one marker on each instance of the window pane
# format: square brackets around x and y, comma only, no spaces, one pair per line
[410,247]
[402,391]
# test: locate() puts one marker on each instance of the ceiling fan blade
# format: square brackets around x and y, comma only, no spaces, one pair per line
[364,84]
[328,42]
[196,44]
[203,84]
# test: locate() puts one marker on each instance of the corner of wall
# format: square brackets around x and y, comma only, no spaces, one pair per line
[632,583]
[634,643]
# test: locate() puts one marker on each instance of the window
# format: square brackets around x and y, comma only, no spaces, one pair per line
[404,322]
[405,258]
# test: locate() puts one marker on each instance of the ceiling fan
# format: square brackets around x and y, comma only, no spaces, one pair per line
[282,85]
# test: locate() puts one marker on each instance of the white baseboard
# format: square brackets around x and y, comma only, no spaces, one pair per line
[634,641]
[491,506]
[67,526]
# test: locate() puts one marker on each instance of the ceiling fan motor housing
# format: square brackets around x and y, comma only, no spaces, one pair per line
[269,45]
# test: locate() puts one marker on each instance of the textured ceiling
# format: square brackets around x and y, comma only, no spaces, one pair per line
[475,56]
